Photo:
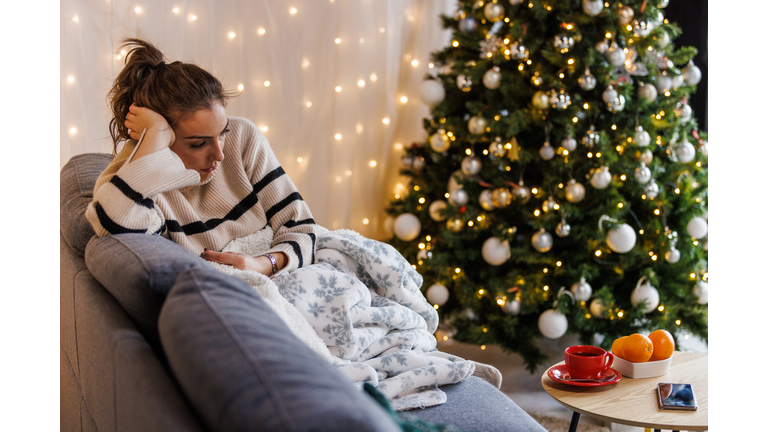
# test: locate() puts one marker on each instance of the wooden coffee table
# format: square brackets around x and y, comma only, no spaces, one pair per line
[634,402]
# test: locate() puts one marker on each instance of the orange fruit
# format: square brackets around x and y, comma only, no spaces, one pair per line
[616,347]
[663,344]
[637,348]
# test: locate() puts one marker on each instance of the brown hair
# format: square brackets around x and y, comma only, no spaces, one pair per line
[174,90]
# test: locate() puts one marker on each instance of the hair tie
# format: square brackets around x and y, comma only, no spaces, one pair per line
[158,65]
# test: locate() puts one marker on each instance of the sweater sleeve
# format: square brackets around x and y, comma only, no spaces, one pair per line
[124,195]
[286,211]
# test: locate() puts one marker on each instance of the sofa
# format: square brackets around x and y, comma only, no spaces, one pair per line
[127,364]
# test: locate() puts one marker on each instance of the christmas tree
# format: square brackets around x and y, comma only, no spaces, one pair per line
[563,184]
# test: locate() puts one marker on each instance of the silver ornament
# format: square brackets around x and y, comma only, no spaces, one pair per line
[643,28]
[647,92]
[497,149]
[563,43]
[684,112]
[540,100]
[651,190]
[615,55]
[493,11]
[602,46]
[464,83]
[432,92]
[617,105]
[458,198]
[501,197]
[568,144]
[477,125]
[440,141]
[692,74]
[547,152]
[468,25]
[601,179]
[592,138]
[642,138]
[587,81]
[492,78]
[542,241]
[685,152]
[549,205]
[511,307]
[664,40]
[560,100]
[592,7]
[453,180]
[518,51]
[581,290]
[471,165]
[610,94]
[436,208]
[574,192]
[642,174]
[672,256]
[663,82]
[563,229]
[702,292]
[418,163]
[521,194]
[626,14]
[485,200]
[646,156]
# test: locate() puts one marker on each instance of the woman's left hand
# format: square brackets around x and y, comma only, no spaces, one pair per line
[240,261]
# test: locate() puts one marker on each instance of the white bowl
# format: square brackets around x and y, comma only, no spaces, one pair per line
[641,370]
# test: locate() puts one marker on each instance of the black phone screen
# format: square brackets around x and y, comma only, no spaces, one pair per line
[677,396]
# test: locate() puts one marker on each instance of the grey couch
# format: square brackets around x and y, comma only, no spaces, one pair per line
[127,364]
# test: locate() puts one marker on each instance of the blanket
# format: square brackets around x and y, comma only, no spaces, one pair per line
[360,307]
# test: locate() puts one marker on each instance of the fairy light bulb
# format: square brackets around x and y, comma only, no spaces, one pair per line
[415,63]
[138,9]
[241,87]
[372,163]
[338,89]
[337,136]
[299,159]
[261,31]
[176,10]
[404,99]
[193,17]
[292,11]
[264,128]
[374,77]
[71,79]
[309,104]
[337,40]
[266,83]
[385,120]
[73,131]
[361,83]
[365,221]
[231,35]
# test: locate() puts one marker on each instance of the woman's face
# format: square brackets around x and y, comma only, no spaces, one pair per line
[200,140]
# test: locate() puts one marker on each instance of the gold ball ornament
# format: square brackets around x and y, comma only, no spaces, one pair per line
[501,197]
[477,125]
[574,191]
[454,225]
[542,241]
[540,100]
[626,14]
[440,141]
[493,11]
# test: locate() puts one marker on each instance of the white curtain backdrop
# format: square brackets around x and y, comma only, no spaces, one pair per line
[333,84]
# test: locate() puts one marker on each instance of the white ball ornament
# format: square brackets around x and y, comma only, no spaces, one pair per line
[492,78]
[568,144]
[647,92]
[453,184]
[663,82]
[511,307]
[477,125]
[458,198]
[542,241]
[486,201]
[587,81]
[677,81]
[574,192]
[651,190]
[407,227]
[621,238]
[685,152]
[697,227]
[644,292]
[438,294]
[432,92]
[684,112]
[496,251]
[642,137]
[692,74]
[664,40]
[616,55]
[702,292]
[493,11]
[672,256]
[646,156]
[592,7]
[610,95]
[464,83]
[440,141]
[547,152]
[625,15]
[601,178]
[581,290]
[642,174]
[471,165]
[435,208]
[552,324]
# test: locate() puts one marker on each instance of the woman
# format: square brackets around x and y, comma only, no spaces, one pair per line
[197,177]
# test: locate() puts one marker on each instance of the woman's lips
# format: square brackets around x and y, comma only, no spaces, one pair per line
[210,170]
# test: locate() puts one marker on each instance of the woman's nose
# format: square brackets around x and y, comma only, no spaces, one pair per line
[218,154]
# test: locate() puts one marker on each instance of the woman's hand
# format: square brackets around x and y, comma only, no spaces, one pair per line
[240,261]
[159,133]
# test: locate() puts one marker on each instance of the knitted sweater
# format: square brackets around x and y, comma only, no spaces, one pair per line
[156,194]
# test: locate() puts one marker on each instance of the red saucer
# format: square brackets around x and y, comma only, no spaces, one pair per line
[560,374]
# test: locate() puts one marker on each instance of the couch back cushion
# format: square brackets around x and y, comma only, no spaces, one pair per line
[76,183]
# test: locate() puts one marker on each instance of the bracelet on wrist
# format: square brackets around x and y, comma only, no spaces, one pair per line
[274,263]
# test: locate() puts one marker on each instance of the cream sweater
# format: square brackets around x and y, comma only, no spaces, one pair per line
[156,194]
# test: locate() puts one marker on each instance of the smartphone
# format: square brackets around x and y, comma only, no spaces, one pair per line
[677,397]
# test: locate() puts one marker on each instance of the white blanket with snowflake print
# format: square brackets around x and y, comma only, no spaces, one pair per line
[360,307]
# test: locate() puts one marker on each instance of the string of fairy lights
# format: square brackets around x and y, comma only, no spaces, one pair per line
[402,100]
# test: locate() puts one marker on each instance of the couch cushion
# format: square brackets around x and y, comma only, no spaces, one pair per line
[139,270]
[76,182]
[243,369]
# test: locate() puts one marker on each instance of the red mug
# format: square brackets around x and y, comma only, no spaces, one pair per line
[586,361]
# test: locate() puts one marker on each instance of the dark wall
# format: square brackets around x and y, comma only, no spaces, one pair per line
[691,16]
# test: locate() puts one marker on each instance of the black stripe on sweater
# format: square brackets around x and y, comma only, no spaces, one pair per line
[269,178]
[111,226]
[132,194]
[293,223]
[282,204]
[296,250]
[314,239]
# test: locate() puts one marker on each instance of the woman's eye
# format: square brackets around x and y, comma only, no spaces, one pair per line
[197,146]
[224,132]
